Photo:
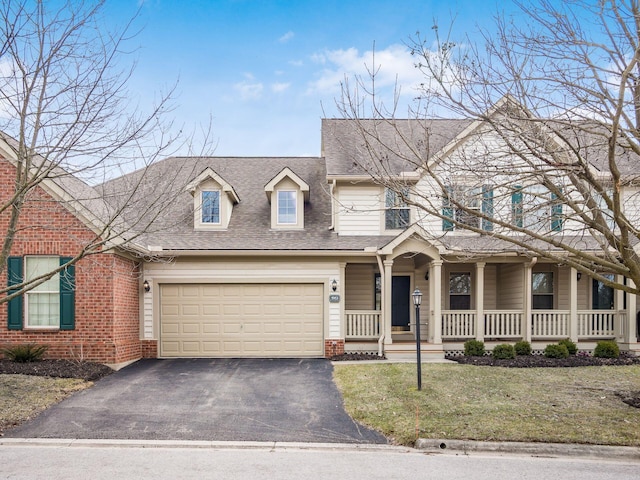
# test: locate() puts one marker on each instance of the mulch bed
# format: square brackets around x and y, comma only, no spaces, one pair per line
[89,371]
[356,356]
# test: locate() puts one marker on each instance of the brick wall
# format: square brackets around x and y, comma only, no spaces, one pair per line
[333,347]
[107,285]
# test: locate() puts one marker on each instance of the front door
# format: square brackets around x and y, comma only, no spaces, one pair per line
[400,303]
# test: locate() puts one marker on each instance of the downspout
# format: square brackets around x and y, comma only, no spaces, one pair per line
[381,339]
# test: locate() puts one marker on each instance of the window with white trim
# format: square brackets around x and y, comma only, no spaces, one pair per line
[287,207]
[42,303]
[211,206]
[460,291]
[396,209]
[465,204]
[536,208]
[542,288]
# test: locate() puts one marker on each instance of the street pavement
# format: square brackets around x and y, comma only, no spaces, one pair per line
[115,460]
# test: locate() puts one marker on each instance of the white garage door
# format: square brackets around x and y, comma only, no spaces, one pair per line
[241,320]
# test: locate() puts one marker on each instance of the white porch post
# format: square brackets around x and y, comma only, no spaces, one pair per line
[618,302]
[632,333]
[386,300]
[435,300]
[573,305]
[480,301]
[527,301]
[343,316]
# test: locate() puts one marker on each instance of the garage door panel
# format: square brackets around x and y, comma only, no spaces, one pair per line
[242,320]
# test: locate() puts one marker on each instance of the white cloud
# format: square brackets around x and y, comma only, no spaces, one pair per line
[392,64]
[249,90]
[286,37]
[296,63]
[279,87]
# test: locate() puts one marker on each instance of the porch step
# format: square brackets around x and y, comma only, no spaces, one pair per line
[407,351]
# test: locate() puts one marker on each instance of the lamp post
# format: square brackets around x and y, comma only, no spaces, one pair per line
[417,300]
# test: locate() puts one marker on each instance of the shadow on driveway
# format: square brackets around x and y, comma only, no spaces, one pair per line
[280,400]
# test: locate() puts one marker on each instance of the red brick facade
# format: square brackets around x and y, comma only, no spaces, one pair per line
[333,347]
[107,285]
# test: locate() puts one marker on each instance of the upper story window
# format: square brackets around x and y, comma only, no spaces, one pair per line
[287,193]
[396,210]
[542,287]
[287,207]
[536,208]
[466,205]
[211,206]
[213,201]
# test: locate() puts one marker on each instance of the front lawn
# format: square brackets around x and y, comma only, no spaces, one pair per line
[566,405]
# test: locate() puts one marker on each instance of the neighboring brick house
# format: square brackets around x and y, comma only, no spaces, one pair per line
[89,311]
[305,257]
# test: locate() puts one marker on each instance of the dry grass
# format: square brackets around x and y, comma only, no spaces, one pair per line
[24,396]
[566,405]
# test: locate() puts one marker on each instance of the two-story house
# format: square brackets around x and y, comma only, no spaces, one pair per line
[315,256]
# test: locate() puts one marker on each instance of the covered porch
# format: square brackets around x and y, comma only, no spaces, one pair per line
[496,300]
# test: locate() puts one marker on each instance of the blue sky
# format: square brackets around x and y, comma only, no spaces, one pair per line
[267,71]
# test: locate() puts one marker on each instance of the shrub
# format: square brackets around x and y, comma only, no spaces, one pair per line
[503,352]
[522,348]
[556,351]
[473,348]
[571,347]
[607,349]
[25,353]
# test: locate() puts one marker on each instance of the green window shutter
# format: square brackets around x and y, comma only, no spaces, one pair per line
[556,214]
[487,207]
[14,306]
[447,211]
[67,295]
[516,207]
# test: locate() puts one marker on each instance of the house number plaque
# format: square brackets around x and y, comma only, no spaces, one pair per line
[334,298]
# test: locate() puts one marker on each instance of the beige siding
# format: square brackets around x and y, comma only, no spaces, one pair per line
[511,287]
[359,287]
[490,287]
[237,271]
[563,288]
[359,210]
[584,293]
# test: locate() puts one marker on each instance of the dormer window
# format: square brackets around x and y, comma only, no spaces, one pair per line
[287,194]
[213,201]
[287,207]
[211,206]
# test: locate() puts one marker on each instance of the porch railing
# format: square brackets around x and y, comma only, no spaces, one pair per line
[503,323]
[599,323]
[550,323]
[363,324]
[458,324]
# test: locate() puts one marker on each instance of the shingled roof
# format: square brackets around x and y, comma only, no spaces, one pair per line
[250,225]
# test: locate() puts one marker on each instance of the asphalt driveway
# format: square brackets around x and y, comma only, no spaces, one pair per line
[283,400]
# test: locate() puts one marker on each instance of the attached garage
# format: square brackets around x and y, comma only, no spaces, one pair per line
[241,320]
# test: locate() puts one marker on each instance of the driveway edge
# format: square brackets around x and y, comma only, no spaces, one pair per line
[533,449]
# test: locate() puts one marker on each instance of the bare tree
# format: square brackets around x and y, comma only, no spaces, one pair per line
[68,125]
[547,122]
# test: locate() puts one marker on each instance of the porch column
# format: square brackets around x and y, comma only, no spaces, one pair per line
[435,300]
[631,330]
[527,301]
[480,301]
[386,300]
[573,305]
[618,302]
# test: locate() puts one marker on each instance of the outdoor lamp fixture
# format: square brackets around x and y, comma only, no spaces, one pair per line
[146,286]
[579,276]
[426,275]
[334,285]
[417,300]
